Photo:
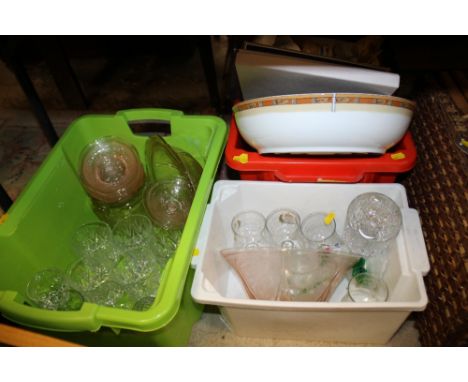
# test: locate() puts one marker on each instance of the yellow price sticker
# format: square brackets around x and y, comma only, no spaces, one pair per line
[3,218]
[243,158]
[398,156]
[329,218]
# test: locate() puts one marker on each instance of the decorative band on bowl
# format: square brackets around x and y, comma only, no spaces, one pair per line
[368,99]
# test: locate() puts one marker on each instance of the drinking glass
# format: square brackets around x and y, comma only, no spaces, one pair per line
[86,274]
[366,287]
[306,275]
[249,229]
[167,241]
[140,251]
[134,267]
[148,286]
[111,294]
[133,231]
[48,289]
[284,229]
[320,231]
[372,221]
[112,213]
[95,241]
[168,202]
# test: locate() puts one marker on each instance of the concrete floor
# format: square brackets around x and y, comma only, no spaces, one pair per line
[23,147]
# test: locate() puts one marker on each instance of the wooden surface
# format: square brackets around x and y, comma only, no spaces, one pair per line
[13,336]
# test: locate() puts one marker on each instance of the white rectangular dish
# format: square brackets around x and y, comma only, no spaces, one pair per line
[265,74]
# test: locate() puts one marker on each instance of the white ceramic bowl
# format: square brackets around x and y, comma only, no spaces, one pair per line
[325,123]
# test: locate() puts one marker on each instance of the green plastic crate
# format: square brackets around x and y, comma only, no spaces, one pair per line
[35,234]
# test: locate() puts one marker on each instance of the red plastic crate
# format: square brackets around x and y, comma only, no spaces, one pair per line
[312,168]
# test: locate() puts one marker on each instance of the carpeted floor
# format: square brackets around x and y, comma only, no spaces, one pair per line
[437,188]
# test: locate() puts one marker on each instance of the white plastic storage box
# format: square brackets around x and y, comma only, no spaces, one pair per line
[215,283]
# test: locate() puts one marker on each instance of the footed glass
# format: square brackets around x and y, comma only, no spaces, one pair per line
[284,229]
[249,229]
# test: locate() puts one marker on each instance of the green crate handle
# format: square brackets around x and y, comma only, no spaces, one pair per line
[84,320]
[132,115]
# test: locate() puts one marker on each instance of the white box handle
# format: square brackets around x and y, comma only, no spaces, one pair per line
[414,239]
[200,245]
